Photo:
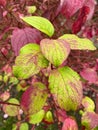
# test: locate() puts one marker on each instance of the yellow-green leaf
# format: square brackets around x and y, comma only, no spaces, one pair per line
[56,51]
[66,88]
[77,43]
[30,48]
[40,23]
[29,62]
[34,98]
[37,117]
[22,126]
[88,104]
[11,109]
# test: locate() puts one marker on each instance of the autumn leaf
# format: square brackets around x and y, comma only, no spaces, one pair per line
[69,7]
[90,120]
[70,124]
[29,62]
[90,75]
[11,110]
[66,88]
[40,23]
[56,51]
[88,104]
[77,43]
[21,37]
[34,98]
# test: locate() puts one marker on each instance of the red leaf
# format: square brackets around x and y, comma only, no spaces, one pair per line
[70,7]
[4,51]
[3,2]
[81,19]
[69,124]
[86,13]
[91,4]
[24,36]
[62,115]
[7,69]
[89,74]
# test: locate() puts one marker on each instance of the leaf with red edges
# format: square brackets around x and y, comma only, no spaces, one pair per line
[24,36]
[66,88]
[88,104]
[56,51]
[29,62]
[34,98]
[90,120]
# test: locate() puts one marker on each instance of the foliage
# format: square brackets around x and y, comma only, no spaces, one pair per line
[49,69]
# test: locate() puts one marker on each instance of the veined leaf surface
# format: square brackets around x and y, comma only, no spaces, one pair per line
[40,23]
[77,43]
[29,62]
[66,88]
[34,98]
[56,51]
[11,110]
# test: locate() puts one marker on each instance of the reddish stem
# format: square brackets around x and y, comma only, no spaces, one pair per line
[1,102]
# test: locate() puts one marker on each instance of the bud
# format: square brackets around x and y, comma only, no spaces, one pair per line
[48,117]
[5,78]
[70,124]
[31,9]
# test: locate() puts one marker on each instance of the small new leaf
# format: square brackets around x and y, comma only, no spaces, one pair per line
[77,43]
[88,104]
[40,23]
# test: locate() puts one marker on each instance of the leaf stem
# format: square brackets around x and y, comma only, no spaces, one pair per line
[7,103]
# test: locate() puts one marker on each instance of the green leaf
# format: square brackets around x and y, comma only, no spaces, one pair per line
[34,98]
[31,9]
[48,117]
[88,104]
[11,110]
[77,43]
[66,88]
[40,23]
[37,117]
[30,48]
[56,51]
[29,62]
[23,126]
